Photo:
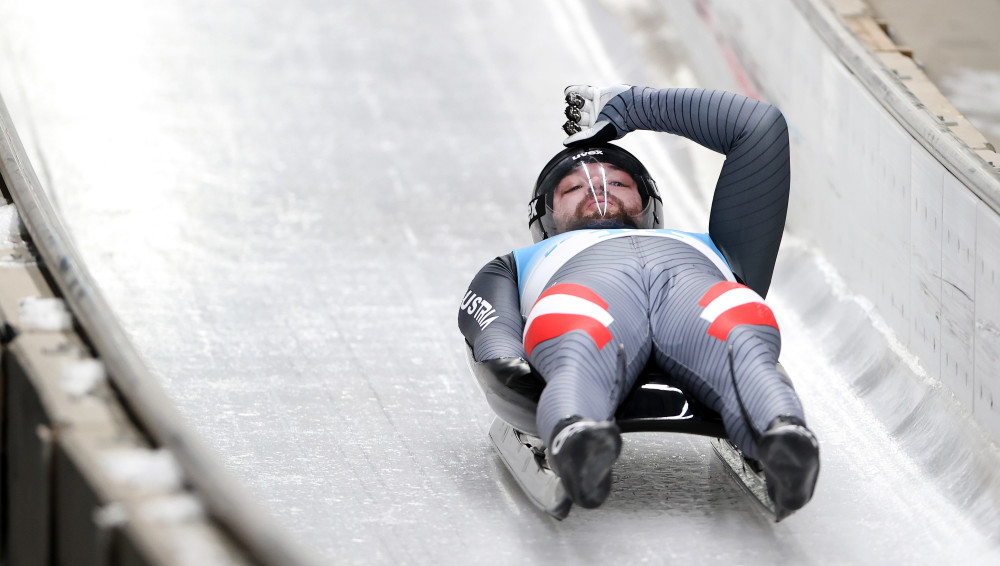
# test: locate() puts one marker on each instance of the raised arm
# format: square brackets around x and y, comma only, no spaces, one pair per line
[751,196]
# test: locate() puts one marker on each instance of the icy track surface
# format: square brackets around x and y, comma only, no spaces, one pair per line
[284,202]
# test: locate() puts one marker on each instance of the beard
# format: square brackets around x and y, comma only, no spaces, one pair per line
[619,218]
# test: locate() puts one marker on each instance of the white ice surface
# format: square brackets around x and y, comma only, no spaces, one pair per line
[44,313]
[80,377]
[172,508]
[284,203]
[144,469]
[10,227]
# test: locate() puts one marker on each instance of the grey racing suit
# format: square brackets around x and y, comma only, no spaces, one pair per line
[564,309]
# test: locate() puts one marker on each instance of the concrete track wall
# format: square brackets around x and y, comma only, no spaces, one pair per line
[97,466]
[894,187]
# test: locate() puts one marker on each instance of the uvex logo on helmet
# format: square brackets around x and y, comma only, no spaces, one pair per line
[586,153]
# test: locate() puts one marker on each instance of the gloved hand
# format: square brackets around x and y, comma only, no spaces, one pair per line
[513,373]
[583,109]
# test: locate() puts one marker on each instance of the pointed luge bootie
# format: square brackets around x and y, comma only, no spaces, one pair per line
[582,453]
[789,454]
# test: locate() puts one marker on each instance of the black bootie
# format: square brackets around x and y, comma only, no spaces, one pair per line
[789,454]
[582,453]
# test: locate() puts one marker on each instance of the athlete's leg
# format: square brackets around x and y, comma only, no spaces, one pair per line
[574,332]
[696,318]
[588,335]
[722,342]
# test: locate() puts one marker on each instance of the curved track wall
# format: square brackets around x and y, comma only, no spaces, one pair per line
[99,468]
[890,182]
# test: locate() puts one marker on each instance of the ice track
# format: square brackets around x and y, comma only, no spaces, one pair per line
[284,201]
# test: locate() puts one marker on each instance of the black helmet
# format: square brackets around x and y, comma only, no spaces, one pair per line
[540,214]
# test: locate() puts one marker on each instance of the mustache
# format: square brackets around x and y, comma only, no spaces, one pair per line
[617,218]
[608,201]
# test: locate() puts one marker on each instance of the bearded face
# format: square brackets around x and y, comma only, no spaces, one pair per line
[594,194]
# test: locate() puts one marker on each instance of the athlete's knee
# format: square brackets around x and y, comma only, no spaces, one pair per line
[728,305]
[565,308]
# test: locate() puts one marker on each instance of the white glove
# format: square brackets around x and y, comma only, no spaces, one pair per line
[583,108]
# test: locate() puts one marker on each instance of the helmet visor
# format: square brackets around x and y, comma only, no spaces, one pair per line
[592,194]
